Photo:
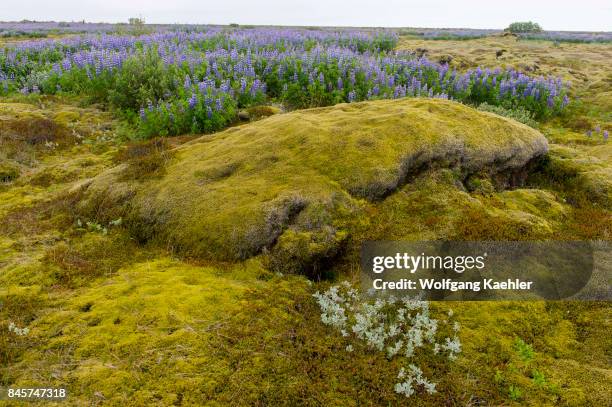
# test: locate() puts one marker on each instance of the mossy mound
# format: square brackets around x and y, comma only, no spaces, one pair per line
[582,175]
[302,178]
[433,207]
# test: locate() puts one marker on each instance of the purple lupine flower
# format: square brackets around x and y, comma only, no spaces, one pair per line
[589,133]
[352,96]
[605,135]
[565,101]
[598,129]
[310,79]
[203,86]
[238,57]
[193,101]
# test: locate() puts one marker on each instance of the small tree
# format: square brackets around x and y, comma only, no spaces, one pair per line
[524,27]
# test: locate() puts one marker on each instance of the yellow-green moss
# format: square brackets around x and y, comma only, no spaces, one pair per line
[8,172]
[164,331]
[135,334]
[328,157]
[582,177]
[434,207]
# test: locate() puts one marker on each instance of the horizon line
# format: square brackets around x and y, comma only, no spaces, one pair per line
[25,21]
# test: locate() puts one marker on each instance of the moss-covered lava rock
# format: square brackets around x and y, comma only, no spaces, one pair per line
[301,179]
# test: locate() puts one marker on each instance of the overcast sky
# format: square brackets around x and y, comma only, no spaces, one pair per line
[595,15]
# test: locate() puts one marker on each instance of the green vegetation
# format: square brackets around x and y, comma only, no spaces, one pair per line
[22,34]
[524,27]
[519,114]
[179,83]
[182,270]
[306,194]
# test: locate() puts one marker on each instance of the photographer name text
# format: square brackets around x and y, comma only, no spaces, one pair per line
[451,285]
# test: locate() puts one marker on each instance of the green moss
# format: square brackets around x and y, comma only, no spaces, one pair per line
[536,202]
[479,184]
[435,206]
[16,197]
[425,209]
[260,112]
[76,261]
[66,116]
[233,194]
[132,335]
[52,175]
[306,252]
[305,189]
[163,331]
[581,177]
[8,172]
[144,159]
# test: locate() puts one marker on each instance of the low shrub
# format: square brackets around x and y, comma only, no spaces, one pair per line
[519,114]
[33,131]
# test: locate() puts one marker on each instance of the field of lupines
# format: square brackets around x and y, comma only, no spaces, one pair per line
[170,83]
